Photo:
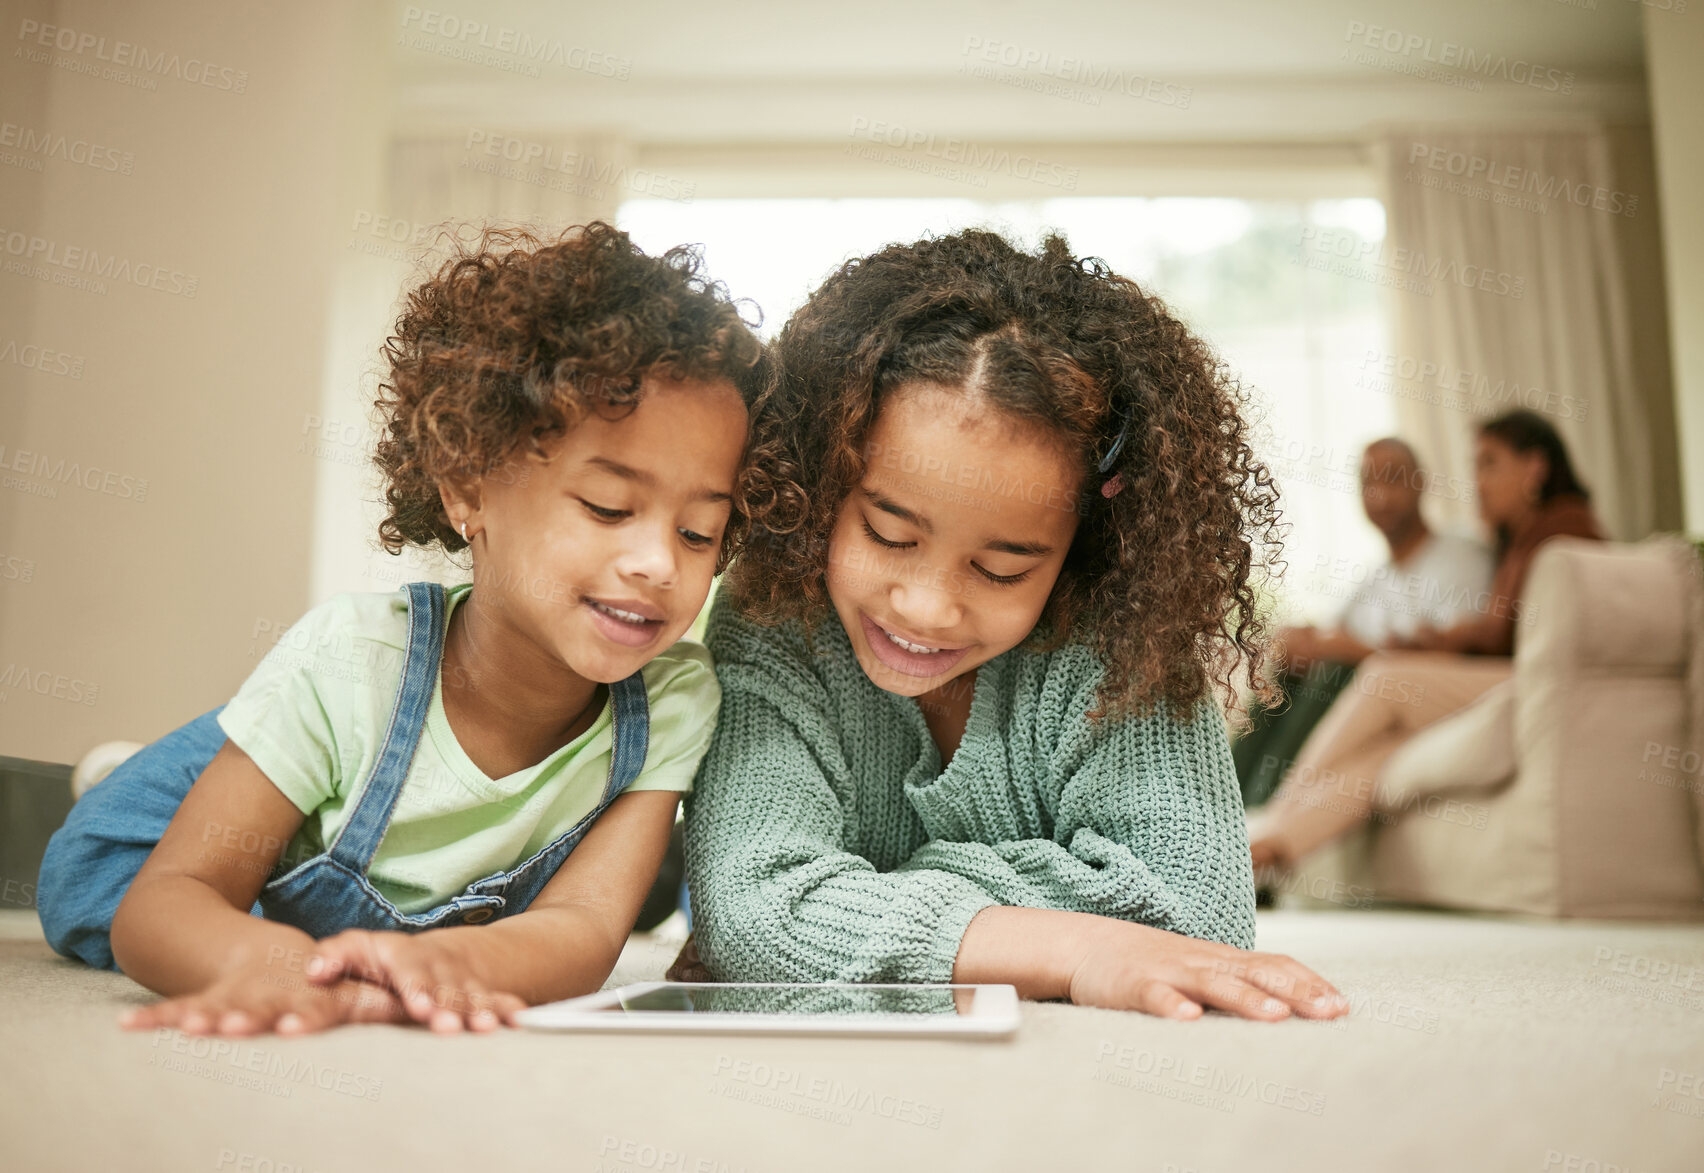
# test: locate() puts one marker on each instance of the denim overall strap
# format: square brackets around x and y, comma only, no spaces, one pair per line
[359,838]
[630,714]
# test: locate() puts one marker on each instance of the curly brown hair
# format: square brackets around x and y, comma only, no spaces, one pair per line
[1158,578]
[516,337]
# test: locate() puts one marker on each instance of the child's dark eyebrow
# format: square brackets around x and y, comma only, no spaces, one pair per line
[888,505]
[641,477]
[1021,549]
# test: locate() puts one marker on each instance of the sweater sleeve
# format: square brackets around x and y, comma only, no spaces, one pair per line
[1146,818]
[776,896]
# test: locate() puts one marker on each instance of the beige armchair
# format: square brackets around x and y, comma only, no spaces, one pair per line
[1576,788]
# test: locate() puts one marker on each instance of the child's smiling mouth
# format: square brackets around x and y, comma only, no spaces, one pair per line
[906,656]
[629,622]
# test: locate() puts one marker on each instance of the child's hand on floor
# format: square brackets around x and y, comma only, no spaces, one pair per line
[431,977]
[257,999]
[1137,967]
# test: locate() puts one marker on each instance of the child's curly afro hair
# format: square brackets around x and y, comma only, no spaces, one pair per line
[1158,577]
[516,337]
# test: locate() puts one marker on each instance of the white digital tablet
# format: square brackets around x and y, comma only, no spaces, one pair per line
[834,1008]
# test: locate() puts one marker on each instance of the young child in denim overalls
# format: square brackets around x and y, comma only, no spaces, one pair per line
[440,805]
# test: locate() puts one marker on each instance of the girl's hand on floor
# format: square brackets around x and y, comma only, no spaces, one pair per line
[1137,967]
[433,980]
[258,999]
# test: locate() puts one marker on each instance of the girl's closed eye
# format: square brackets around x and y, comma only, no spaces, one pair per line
[605,514]
[870,532]
[692,538]
[1004,579]
[998,579]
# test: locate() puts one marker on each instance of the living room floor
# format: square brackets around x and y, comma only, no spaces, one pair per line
[1474,1043]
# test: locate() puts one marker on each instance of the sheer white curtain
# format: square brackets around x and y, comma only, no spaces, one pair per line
[547,179]
[1529,278]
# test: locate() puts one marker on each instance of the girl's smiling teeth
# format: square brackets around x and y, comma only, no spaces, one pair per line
[907,657]
[625,616]
[629,623]
[919,649]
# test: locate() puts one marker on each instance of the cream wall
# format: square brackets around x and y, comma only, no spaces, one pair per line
[140,606]
[1674,46]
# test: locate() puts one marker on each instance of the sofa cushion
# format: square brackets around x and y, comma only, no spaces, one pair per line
[1684,763]
[1603,605]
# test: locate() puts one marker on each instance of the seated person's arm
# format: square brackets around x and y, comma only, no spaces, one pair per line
[1484,624]
[1488,634]
[1303,645]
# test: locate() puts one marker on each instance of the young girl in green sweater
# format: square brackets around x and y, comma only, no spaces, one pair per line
[967,731]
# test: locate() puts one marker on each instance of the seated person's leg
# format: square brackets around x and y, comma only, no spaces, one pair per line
[1330,788]
[1252,748]
[1309,807]
[1275,736]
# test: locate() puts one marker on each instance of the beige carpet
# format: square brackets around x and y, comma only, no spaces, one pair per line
[1476,1043]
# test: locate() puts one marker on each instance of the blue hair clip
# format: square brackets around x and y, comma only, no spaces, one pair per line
[1112,486]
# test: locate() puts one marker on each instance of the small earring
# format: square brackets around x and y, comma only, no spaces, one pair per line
[464,531]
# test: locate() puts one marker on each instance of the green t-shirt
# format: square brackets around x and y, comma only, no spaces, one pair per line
[314,713]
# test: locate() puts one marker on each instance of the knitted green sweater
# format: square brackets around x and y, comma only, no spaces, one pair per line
[824,842]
